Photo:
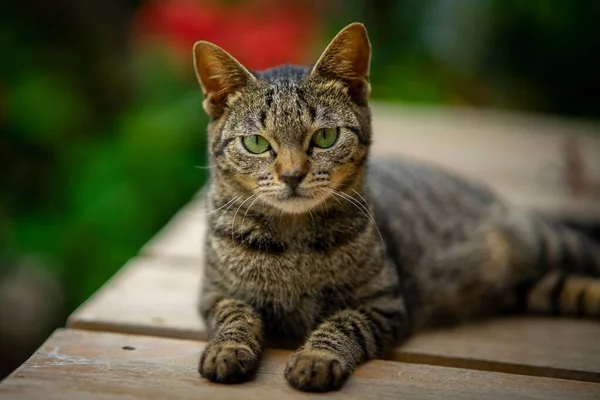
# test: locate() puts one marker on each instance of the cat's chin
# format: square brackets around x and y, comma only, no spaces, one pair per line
[295,205]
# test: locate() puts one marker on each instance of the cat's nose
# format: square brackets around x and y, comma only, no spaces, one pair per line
[293,177]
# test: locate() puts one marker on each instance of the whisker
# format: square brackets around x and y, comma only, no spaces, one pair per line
[362,208]
[312,218]
[205,166]
[246,213]
[224,212]
[254,188]
[231,203]
[271,192]
[223,206]
[368,211]
[316,186]
[358,203]
[336,199]
[235,215]
[359,195]
[323,197]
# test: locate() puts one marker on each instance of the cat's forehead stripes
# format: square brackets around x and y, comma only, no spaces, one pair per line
[285,113]
[289,118]
[288,105]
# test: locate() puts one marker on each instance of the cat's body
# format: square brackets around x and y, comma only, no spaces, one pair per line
[310,239]
[307,252]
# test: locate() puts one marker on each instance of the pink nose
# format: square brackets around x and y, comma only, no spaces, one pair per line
[293,177]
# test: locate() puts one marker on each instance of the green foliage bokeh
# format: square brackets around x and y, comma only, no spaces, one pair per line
[84,184]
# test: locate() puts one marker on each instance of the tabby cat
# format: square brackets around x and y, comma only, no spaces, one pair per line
[310,239]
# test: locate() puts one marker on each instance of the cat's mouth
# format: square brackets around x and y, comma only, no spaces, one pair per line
[293,193]
[293,196]
[295,201]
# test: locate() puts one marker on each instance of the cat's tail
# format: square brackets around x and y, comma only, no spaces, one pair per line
[567,281]
[511,261]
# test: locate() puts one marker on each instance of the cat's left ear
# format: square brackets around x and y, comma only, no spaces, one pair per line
[220,75]
[347,58]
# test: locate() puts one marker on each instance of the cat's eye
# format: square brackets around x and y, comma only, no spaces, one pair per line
[325,138]
[256,144]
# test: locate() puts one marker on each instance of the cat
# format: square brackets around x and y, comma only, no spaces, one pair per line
[309,238]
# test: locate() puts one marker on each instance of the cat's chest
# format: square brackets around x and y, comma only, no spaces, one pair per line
[295,276]
[285,276]
[293,314]
[292,284]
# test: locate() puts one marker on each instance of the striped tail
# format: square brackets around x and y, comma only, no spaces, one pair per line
[569,282]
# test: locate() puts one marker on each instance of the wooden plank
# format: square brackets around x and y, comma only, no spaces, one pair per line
[547,200]
[551,347]
[92,365]
[183,236]
[520,156]
[485,143]
[147,296]
[155,297]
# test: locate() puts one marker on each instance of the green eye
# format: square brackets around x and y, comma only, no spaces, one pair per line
[325,138]
[256,144]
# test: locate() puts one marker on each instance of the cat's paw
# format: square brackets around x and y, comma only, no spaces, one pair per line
[316,371]
[228,363]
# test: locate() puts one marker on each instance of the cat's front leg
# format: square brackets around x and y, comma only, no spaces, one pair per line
[343,341]
[236,344]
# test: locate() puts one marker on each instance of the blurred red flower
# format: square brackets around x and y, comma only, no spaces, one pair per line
[259,33]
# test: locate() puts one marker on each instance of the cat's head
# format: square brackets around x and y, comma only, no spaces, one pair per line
[289,135]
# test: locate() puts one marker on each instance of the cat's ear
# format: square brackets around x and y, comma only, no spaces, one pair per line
[219,74]
[347,58]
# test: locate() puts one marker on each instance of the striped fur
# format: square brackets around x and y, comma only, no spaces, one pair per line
[367,251]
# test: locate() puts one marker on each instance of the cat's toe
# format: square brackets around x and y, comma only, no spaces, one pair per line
[227,363]
[316,371]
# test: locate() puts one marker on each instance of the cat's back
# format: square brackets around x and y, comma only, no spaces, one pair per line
[415,202]
[394,178]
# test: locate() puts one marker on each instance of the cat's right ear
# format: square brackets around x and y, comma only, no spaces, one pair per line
[219,74]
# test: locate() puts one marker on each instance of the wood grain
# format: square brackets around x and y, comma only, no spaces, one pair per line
[521,156]
[92,365]
[552,347]
[480,140]
[183,236]
[159,297]
[148,296]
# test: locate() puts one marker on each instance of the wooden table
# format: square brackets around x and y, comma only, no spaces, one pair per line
[76,364]
[139,336]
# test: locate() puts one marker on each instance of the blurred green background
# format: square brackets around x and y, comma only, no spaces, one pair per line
[102,130]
